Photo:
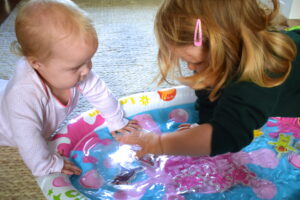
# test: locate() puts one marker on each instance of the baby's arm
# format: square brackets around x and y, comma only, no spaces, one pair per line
[97,93]
[25,117]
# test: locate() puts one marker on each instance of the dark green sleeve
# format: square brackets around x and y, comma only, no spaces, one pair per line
[242,108]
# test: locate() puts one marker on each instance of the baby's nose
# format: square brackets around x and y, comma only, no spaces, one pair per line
[192,67]
[87,69]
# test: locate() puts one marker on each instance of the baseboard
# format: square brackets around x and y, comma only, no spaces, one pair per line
[6,6]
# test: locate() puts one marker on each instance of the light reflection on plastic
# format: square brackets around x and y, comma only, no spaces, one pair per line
[123,155]
[169,124]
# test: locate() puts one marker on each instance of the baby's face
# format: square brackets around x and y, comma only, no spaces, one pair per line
[196,57]
[69,63]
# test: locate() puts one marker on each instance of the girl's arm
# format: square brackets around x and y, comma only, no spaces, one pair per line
[191,142]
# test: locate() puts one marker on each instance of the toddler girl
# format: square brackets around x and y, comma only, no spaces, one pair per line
[245,72]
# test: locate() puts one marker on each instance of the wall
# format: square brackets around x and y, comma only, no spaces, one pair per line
[295,9]
[290,8]
[6,7]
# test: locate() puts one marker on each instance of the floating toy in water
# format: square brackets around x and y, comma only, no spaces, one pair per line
[283,144]
[125,176]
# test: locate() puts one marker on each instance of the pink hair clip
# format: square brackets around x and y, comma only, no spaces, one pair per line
[198,32]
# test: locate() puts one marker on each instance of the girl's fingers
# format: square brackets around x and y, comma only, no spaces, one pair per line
[140,154]
[131,129]
[135,126]
[114,134]
[184,125]
[133,122]
[125,131]
[182,128]
[129,138]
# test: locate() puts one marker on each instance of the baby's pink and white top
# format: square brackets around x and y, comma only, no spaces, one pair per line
[30,114]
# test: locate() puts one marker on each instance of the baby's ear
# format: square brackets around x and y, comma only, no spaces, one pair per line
[34,63]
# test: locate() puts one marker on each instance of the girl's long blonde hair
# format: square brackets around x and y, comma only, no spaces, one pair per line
[237,36]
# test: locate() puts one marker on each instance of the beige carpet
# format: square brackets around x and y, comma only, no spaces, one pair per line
[16,181]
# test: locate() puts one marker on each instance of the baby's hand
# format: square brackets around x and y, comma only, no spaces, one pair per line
[149,142]
[70,169]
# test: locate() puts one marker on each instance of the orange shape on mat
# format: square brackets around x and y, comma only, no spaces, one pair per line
[167,95]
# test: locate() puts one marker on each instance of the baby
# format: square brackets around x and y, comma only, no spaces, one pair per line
[57,41]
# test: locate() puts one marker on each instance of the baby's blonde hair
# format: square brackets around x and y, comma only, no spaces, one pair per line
[41,23]
[237,36]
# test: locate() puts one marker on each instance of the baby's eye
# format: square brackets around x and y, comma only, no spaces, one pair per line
[75,68]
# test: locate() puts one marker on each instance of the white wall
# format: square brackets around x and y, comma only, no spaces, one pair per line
[285,7]
[295,10]
[290,8]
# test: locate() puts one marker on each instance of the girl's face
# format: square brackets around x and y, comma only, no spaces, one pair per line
[69,63]
[197,58]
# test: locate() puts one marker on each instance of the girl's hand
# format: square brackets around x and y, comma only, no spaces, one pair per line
[182,127]
[186,126]
[69,168]
[149,142]
[131,126]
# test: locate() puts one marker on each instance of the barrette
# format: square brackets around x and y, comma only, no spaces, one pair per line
[198,34]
